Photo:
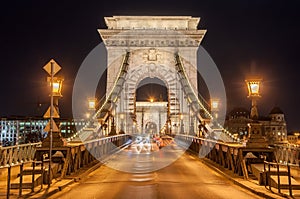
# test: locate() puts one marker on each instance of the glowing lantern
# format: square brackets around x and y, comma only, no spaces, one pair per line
[253,86]
[92,103]
[57,86]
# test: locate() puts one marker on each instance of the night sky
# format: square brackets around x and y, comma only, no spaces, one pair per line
[241,35]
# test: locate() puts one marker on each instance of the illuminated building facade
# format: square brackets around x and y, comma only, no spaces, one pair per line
[273,127]
[21,130]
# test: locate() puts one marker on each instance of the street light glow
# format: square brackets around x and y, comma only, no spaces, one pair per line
[253,85]
[214,104]
[122,116]
[92,103]
[181,116]
[57,86]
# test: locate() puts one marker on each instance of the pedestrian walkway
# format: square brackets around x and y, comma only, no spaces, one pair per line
[45,192]
[251,185]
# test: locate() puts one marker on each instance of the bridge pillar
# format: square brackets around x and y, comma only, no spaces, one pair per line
[153,42]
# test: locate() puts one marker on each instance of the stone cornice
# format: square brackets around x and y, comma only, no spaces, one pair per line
[146,22]
[152,38]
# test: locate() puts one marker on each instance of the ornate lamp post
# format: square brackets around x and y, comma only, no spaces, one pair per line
[53,112]
[253,85]
[192,129]
[91,121]
[122,116]
[181,123]
[91,107]
[56,87]
[113,126]
[134,127]
[168,126]
[215,107]
[255,139]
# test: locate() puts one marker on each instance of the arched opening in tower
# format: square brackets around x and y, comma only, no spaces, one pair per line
[151,106]
[152,89]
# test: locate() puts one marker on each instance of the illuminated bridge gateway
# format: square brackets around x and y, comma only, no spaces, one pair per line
[146,141]
[163,48]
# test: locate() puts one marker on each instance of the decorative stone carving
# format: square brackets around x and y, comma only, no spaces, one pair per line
[152,56]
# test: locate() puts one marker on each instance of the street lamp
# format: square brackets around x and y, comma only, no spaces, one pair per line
[91,120]
[192,130]
[113,127]
[133,127]
[92,103]
[169,127]
[253,85]
[55,93]
[181,123]
[57,86]
[122,116]
[215,104]
[215,107]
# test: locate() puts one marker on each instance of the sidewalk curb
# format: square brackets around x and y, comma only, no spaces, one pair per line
[259,193]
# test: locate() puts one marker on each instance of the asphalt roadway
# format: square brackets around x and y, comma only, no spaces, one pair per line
[181,175]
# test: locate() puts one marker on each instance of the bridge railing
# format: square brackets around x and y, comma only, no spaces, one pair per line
[287,154]
[78,155]
[13,155]
[282,169]
[92,150]
[232,156]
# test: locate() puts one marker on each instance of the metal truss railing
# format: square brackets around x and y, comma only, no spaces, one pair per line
[106,104]
[198,104]
[13,155]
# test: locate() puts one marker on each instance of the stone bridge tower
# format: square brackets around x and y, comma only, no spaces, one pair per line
[152,42]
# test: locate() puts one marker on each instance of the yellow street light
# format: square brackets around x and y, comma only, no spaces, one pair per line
[122,116]
[215,104]
[151,99]
[181,116]
[57,86]
[253,85]
[92,103]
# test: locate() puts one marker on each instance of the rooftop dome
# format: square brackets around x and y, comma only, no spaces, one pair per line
[276,110]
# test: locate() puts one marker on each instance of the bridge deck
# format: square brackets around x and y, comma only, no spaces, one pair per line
[187,177]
